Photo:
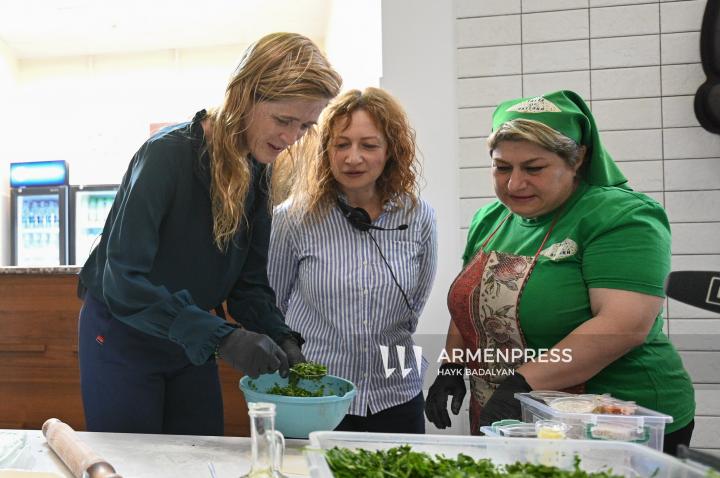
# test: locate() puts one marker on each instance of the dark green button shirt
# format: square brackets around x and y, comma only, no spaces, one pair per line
[157,267]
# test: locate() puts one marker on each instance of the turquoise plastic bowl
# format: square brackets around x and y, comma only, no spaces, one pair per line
[296,417]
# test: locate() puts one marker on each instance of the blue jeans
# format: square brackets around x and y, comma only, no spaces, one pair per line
[133,382]
[408,417]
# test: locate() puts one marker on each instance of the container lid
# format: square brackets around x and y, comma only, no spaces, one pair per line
[646,415]
[618,431]
[548,395]
[526,430]
[572,405]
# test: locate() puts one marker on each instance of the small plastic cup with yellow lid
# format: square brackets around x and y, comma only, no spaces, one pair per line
[551,429]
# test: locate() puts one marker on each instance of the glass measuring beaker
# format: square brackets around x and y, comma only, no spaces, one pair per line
[267,444]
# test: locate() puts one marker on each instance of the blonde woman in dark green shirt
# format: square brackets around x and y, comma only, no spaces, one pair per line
[189,230]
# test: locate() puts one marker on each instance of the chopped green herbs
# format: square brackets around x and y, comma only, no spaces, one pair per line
[403,462]
[309,370]
[295,391]
[306,370]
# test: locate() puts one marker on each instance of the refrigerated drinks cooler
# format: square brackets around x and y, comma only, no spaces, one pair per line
[39,226]
[89,206]
[39,198]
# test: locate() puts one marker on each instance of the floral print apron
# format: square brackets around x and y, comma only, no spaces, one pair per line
[483,301]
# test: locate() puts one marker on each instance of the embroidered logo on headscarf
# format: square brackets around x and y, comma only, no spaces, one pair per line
[561,250]
[535,105]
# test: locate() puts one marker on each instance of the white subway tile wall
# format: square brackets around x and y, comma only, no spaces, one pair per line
[488,91]
[695,238]
[555,26]
[474,122]
[690,143]
[645,176]
[489,31]
[625,82]
[529,6]
[489,61]
[473,8]
[698,334]
[537,84]
[638,64]
[556,56]
[623,115]
[681,79]
[610,3]
[708,400]
[682,16]
[679,111]
[473,153]
[476,182]
[680,47]
[624,20]
[634,145]
[692,175]
[693,206]
[625,51]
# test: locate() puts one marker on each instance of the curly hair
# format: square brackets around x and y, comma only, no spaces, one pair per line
[314,188]
[279,66]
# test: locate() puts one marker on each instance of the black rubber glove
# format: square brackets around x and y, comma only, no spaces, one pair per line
[450,381]
[502,403]
[251,353]
[294,355]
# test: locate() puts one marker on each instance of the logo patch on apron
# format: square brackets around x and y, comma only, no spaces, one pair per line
[560,250]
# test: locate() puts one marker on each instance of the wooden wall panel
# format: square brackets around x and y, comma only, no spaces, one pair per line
[39,374]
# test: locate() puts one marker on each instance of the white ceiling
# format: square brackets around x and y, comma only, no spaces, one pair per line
[53,28]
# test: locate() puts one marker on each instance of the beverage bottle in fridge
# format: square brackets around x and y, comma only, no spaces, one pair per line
[50,211]
[31,213]
[93,210]
[37,241]
[40,214]
[25,218]
[46,242]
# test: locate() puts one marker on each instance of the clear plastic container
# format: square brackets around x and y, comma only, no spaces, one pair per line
[644,426]
[624,459]
[551,429]
[572,405]
[517,430]
[548,395]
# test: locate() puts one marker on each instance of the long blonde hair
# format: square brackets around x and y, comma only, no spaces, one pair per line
[315,189]
[279,66]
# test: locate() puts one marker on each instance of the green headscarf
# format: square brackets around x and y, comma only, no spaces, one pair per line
[567,113]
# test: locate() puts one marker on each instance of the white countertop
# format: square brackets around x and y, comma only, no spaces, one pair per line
[171,456]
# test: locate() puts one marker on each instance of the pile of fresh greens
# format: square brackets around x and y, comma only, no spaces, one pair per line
[402,462]
[295,391]
[309,370]
[305,370]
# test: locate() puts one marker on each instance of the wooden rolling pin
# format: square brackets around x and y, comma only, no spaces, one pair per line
[82,461]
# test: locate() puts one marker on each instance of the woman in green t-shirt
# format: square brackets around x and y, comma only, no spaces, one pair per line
[562,287]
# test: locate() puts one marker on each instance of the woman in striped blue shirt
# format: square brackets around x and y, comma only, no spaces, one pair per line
[353,256]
